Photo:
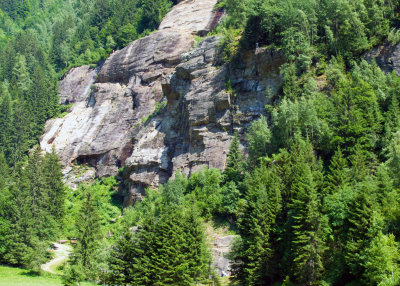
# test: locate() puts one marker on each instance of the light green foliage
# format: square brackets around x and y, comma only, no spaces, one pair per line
[22,277]
[259,138]
[394,36]
[229,45]
[205,187]
[105,198]
[382,261]
[299,117]
[157,109]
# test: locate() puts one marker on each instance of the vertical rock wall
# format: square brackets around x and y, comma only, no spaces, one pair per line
[114,123]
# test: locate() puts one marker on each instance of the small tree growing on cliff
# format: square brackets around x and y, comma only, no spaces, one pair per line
[234,168]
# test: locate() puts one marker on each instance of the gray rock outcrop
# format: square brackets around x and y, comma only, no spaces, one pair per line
[195,129]
[387,57]
[160,105]
[97,131]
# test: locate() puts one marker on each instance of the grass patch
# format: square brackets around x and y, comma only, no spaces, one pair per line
[12,276]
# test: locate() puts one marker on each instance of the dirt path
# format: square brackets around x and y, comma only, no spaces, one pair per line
[61,255]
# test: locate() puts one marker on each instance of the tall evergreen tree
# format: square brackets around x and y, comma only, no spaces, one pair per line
[254,255]
[88,233]
[234,167]
[52,177]
[308,244]
[338,177]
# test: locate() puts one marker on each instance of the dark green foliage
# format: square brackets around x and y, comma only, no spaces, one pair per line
[338,177]
[29,219]
[88,233]
[169,250]
[254,257]
[306,223]
[301,27]
[235,166]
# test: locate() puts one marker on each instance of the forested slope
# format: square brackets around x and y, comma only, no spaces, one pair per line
[311,187]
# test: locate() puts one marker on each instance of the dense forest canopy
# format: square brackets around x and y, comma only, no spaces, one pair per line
[313,197]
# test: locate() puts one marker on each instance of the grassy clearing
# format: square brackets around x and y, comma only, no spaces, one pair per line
[10,276]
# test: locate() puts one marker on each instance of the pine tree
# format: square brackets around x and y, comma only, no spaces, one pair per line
[253,257]
[52,177]
[234,167]
[88,232]
[307,245]
[339,173]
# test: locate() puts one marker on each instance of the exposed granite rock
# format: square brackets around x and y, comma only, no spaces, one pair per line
[112,123]
[387,57]
[144,60]
[220,251]
[97,131]
[193,16]
[76,84]
[195,129]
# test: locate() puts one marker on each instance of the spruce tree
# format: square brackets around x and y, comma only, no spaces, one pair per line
[359,224]
[338,177]
[88,232]
[52,177]
[308,245]
[168,250]
[121,259]
[253,257]
[393,158]
[234,167]
[5,121]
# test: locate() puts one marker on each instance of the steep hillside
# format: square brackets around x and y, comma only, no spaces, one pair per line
[160,105]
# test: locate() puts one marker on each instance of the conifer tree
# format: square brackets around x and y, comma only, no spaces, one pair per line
[308,245]
[88,232]
[52,177]
[253,257]
[359,224]
[393,155]
[121,259]
[169,250]
[234,167]
[339,173]
[5,121]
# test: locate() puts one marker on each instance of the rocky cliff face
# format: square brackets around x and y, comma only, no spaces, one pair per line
[387,57]
[160,105]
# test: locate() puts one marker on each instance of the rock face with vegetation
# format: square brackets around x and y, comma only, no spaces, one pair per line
[98,128]
[160,105]
[387,57]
